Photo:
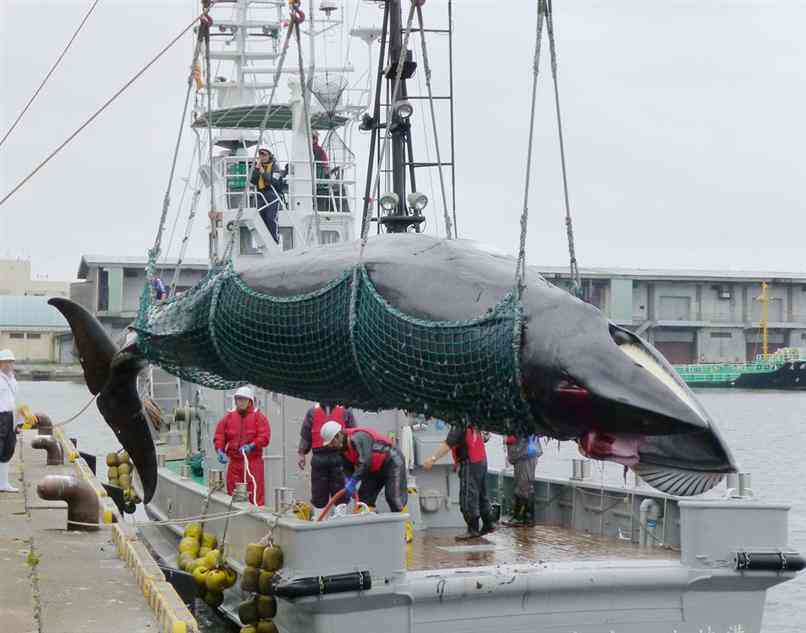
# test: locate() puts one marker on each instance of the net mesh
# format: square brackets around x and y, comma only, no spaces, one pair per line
[343,342]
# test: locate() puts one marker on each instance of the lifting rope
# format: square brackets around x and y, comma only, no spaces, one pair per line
[105,105]
[544,13]
[166,201]
[50,72]
[569,228]
[448,225]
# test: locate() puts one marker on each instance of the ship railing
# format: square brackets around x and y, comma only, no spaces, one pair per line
[335,193]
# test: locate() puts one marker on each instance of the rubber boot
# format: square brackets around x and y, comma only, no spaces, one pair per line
[518,510]
[472,529]
[488,525]
[529,515]
[5,486]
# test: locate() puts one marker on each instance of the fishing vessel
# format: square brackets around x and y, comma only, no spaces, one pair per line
[783,369]
[623,558]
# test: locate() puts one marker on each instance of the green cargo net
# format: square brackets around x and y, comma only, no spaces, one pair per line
[221,334]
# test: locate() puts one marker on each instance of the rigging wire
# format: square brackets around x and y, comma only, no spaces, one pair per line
[520,269]
[103,107]
[569,228]
[49,73]
[544,15]
[166,201]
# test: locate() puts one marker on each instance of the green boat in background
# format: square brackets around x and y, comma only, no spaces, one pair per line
[785,369]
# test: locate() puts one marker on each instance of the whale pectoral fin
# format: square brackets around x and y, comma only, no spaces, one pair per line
[113,375]
[95,348]
[123,411]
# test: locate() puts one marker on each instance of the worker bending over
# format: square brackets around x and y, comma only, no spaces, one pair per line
[371,461]
[327,466]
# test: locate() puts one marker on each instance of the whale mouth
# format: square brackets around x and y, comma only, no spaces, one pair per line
[643,416]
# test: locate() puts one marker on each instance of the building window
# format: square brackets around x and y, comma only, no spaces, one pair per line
[721,335]
[16,335]
[131,272]
[32,336]
[329,237]
[287,237]
[103,289]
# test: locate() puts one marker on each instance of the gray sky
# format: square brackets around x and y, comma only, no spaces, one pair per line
[683,120]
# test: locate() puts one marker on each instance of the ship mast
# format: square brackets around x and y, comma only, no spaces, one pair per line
[765,314]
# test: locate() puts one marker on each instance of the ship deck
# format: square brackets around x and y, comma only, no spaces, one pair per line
[438,549]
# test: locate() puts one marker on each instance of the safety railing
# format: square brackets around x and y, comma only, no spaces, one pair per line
[334,186]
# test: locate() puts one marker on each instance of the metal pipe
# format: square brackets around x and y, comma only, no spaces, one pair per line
[53,448]
[44,425]
[648,522]
[83,506]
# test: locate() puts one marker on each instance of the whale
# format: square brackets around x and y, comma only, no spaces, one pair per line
[435,327]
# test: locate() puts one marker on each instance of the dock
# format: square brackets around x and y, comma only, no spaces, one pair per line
[57,580]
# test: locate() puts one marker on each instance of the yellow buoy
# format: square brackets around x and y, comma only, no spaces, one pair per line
[194,530]
[272,558]
[266,626]
[200,575]
[209,540]
[109,517]
[249,579]
[189,545]
[254,554]
[111,459]
[266,607]
[216,580]
[265,584]
[179,627]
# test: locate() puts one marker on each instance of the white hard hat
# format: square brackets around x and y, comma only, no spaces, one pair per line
[245,392]
[6,354]
[329,431]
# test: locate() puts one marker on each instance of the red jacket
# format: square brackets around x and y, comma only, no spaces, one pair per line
[234,430]
[366,451]
[467,446]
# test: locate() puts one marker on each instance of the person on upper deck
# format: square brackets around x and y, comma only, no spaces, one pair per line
[8,437]
[322,173]
[241,436]
[267,179]
[522,453]
[470,456]
[372,461]
[327,469]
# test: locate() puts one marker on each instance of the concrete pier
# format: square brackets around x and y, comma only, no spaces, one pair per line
[56,580]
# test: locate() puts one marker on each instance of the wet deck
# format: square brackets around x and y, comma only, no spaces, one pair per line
[55,580]
[438,549]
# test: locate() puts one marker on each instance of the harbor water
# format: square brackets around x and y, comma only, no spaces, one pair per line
[766,431]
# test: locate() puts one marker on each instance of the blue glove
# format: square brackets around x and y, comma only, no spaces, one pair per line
[533,448]
[222,456]
[349,487]
[247,448]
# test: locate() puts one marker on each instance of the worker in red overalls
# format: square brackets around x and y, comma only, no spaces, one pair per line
[241,436]
[372,461]
[327,468]
[470,455]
